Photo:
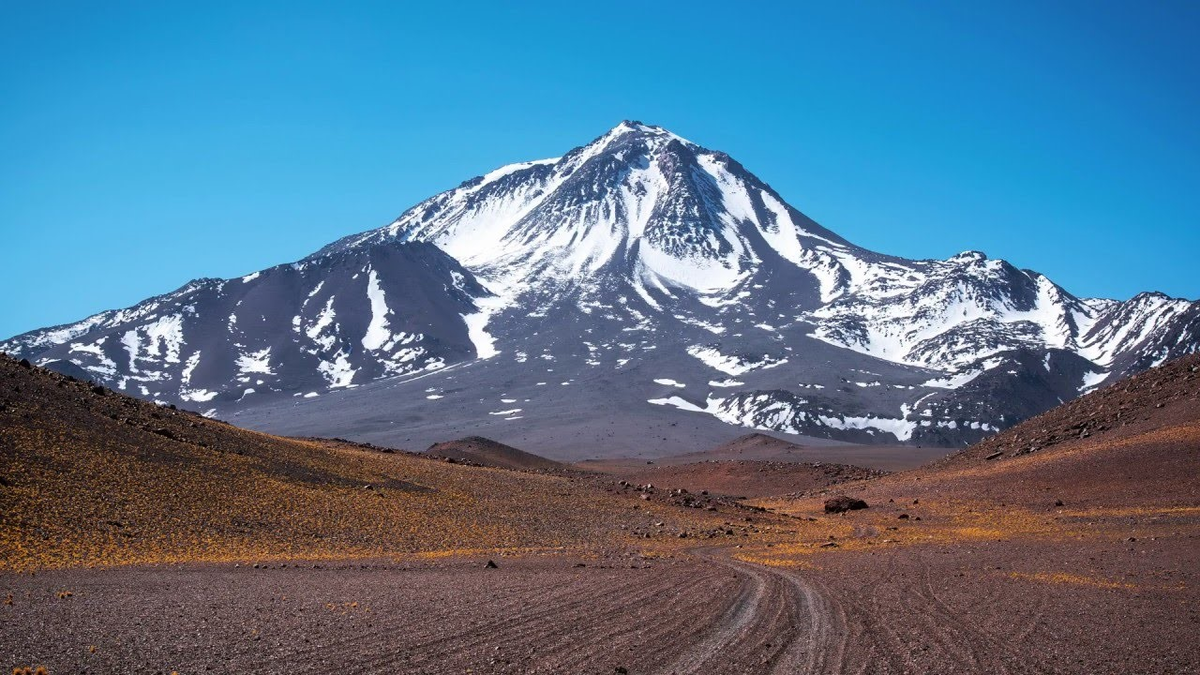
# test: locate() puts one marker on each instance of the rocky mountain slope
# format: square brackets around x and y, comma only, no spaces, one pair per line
[639,278]
[302,328]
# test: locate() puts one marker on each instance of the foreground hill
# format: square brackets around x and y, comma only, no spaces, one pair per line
[640,276]
[486,452]
[1131,444]
[91,477]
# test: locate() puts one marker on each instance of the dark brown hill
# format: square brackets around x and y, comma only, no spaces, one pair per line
[482,451]
[92,477]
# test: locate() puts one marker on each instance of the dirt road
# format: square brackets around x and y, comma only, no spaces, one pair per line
[924,610]
[703,613]
[779,622]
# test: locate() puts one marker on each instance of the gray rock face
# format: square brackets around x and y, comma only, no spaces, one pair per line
[295,330]
[640,294]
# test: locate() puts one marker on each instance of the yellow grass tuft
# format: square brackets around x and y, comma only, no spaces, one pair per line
[1067,578]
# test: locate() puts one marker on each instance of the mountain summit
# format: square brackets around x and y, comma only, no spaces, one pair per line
[639,202]
[638,294]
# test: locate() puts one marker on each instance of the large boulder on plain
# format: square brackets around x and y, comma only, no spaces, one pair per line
[842,503]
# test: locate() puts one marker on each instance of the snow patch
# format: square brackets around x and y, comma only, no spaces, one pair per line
[677,402]
[732,365]
[255,362]
[725,383]
[377,331]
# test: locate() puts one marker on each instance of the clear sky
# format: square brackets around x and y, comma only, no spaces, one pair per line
[146,144]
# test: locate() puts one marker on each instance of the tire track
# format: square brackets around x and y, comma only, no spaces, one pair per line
[781,623]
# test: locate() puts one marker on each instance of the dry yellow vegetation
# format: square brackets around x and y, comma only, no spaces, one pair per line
[101,480]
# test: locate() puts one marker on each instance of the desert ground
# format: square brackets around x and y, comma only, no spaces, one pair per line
[138,538]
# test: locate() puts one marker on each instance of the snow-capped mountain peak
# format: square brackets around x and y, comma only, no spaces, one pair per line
[638,196]
[663,273]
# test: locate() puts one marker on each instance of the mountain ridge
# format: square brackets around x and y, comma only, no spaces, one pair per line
[682,282]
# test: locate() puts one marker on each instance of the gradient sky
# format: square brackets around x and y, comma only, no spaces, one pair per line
[146,144]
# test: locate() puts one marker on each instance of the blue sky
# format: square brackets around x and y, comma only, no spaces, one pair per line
[146,144]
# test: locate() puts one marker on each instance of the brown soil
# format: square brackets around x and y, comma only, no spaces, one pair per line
[763,448]
[93,478]
[545,615]
[479,451]
[746,478]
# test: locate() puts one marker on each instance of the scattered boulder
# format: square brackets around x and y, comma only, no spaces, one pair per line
[491,565]
[843,503]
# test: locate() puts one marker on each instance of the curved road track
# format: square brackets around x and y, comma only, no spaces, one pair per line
[913,611]
[777,622]
[701,613]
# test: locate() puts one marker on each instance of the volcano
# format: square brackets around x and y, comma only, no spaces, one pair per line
[640,295]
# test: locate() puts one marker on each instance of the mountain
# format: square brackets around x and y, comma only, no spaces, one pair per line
[302,328]
[637,295]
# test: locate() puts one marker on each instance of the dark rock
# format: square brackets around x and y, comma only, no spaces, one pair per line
[843,503]
[491,565]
